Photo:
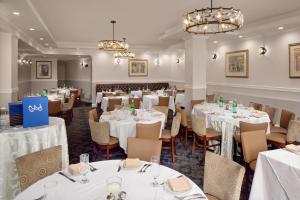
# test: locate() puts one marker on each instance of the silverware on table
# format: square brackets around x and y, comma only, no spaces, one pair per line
[92,168]
[144,170]
[141,170]
[120,165]
[61,173]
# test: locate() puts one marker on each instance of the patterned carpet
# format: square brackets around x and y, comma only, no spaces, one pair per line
[79,140]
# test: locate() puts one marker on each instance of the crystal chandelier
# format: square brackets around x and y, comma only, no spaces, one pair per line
[213,20]
[124,54]
[113,45]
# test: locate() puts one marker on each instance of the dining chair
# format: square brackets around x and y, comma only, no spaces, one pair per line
[137,102]
[169,136]
[163,101]
[112,102]
[75,92]
[101,138]
[148,131]
[37,165]
[186,125]
[210,98]
[163,109]
[285,118]
[256,106]
[93,115]
[279,140]
[196,101]
[203,134]
[223,178]
[143,149]
[271,112]
[54,108]
[67,109]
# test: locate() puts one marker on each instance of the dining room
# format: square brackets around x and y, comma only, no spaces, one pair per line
[149,100]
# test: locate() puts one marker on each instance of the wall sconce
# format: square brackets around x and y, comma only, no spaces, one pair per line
[117,61]
[262,51]
[178,61]
[156,61]
[214,56]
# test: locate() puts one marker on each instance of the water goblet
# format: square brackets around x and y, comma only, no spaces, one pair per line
[84,159]
[113,185]
[155,169]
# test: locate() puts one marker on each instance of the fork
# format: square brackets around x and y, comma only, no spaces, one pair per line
[144,170]
[141,170]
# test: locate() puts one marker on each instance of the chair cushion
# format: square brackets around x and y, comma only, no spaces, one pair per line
[275,129]
[211,133]
[166,133]
[277,137]
[252,165]
[211,197]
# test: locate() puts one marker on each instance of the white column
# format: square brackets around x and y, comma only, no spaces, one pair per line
[8,68]
[195,68]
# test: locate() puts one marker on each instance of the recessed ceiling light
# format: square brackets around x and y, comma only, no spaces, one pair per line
[280,28]
[240,36]
[16,13]
[215,42]
[41,39]
[46,44]
[31,29]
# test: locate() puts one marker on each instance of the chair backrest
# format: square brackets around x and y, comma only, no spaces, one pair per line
[196,101]
[253,142]
[293,131]
[108,94]
[184,121]
[54,107]
[210,98]
[223,178]
[35,166]
[285,118]
[256,106]
[176,125]
[148,131]
[143,149]
[177,107]
[93,115]
[99,132]
[75,92]
[137,102]
[245,126]
[271,112]
[79,92]
[71,101]
[163,101]
[120,93]
[199,124]
[112,102]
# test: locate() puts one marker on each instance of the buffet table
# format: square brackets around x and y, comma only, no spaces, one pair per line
[123,124]
[138,186]
[16,142]
[277,176]
[228,122]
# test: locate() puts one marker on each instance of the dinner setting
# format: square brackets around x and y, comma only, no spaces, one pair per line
[149,100]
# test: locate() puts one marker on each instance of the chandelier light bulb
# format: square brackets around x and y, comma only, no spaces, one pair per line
[198,17]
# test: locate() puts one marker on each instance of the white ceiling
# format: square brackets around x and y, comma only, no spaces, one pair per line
[84,22]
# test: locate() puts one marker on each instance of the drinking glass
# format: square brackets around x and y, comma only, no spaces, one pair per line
[113,185]
[84,159]
[49,190]
[155,169]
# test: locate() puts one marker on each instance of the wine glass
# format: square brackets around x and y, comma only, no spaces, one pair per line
[113,185]
[84,159]
[155,169]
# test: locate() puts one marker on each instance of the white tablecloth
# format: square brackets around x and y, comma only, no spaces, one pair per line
[104,103]
[137,93]
[223,120]
[152,100]
[137,186]
[180,98]
[16,142]
[277,176]
[123,124]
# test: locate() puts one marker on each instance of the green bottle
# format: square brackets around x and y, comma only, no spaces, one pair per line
[234,107]
[221,101]
[132,105]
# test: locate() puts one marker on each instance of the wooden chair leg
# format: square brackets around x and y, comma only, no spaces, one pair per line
[172,149]
[194,144]
[185,136]
[204,147]
[107,152]
[175,146]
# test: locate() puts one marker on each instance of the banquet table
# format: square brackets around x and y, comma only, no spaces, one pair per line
[123,124]
[153,99]
[16,142]
[180,98]
[138,186]
[227,122]
[104,103]
[277,176]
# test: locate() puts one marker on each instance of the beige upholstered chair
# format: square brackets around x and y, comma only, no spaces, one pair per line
[223,178]
[271,112]
[285,118]
[93,115]
[256,106]
[245,127]
[186,125]
[67,109]
[54,108]
[112,102]
[101,137]
[163,109]
[163,101]
[148,131]
[137,102]
[253,142]
[196,101]
[210,98]
[108,94]
[35,166]
[279,140]
[169,136]
[203,134]
[143,149]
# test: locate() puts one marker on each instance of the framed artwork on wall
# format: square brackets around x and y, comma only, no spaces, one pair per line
[294,60]
[137,67]
[237,64]
[43,69]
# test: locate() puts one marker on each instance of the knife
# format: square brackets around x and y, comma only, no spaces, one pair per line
[61,173]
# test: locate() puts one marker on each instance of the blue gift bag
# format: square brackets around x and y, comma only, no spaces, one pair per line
[35,111]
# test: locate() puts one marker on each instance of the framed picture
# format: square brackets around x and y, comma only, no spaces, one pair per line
[137,67]
[294,60]
[237,64]
[43,69]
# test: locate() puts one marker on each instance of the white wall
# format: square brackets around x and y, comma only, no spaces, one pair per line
[268,81]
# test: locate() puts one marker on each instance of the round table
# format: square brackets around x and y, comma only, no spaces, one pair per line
[123,124]
[138,186]
[153,100]
[105,104]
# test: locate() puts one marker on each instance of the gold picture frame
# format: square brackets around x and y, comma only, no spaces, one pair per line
[237,64]
[43,70]
[137,67]
[294,60]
